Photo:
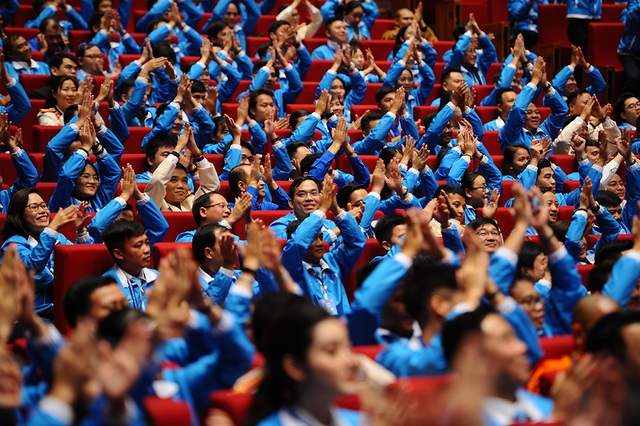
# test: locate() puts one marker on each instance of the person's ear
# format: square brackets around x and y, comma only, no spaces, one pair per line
[290,203]
[386,245]
[440,305]
[118,253]
[292,368]
[208,252]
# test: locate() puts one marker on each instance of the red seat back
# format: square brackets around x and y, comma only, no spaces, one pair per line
[72,263]
[178,222]
[167,412]
[161,250]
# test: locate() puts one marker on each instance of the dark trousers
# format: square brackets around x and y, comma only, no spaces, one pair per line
[578,32]
[631,66]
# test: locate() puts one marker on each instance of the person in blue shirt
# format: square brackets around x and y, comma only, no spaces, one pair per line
[246,179]
[92,7]
[103,28]
[44,9]
[504,100]
[336,32]
[628,52]
[18,55]
[506,335]
[523,19]
[521,163]
[162,30]
[320,274]
[580,13]
[565,82]
[228,12]
[81,181]
[464,55]
[29,226]
[128,245]
[27,173]
[285,394]
[359,17]
[523,123]
[626,111]
[450,79]
[51,39]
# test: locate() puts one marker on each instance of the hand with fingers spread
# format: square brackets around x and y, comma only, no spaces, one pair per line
[491,204]
[421,159]
[394,181]
[241,209]
[81,217]
[459,95]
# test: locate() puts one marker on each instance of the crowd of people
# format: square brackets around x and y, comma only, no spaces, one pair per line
[267,312]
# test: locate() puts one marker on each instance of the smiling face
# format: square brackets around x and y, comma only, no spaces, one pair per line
[337,32]
[264,105]
[92,62]
[386,101]
[36,214]
[532,119]
[337,87]
[306,198]
[405,80]
[65,96]
[331,365]
[177,187]
[231,16]
[545,178]
[316,250]
[67,67]
[616,185]
[489,237]
[87,183]
[578,105]
[357,57]
[631,110]
[469,58]
[521,159]
[508,352]
[478,194]
[21,50]
[457,203]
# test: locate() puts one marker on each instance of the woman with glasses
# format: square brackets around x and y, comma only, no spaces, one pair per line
[63,94]
[30,227]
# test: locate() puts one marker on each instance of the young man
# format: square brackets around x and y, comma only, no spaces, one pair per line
[336,32]
[626,111]
[505,98]
[246,179]
[129,247]
[60,63]
[18,53]
[320,274]
[91,61]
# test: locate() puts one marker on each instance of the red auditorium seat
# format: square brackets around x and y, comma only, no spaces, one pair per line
[37,160]
[487,114]
[167,412]
[498,160]
[483,91]
[603,38]
[30,82]
[161,250]
[178,222]
[556,347]
[3,217]
[359,110]
[134,142]
[566,162]
[31,120]
[490,141]
[570,185]
[552,24]
[319,68]
[46,190]
[7,169]
[420,112]
[612,12]
[42,135]
[565,212]
[506,192]
[269,216]
[262,27]
[371,249]
[380,27]
[253,43]
[441,47]
[137,161]
[78,37]
[370,95]
[27,33]
[72,263]
[494,68]
[291,108]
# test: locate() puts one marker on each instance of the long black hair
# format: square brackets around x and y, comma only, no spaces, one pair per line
[288,334]
[15,223]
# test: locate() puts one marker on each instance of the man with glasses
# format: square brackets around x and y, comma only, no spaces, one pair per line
[626,111]
[213,209]
[305,198]
[91,61]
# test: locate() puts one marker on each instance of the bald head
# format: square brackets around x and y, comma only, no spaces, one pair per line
[590,309]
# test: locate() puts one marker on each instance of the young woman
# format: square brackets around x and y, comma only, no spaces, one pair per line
[61,97]
[29,226]
[308,364]
[521,165]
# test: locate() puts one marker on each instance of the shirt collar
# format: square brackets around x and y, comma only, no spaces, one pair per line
[504,412]
[323,265]
[22,65]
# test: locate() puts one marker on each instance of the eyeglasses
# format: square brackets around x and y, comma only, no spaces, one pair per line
[221,204]
[34,207]
[90,177]
[93,56]
[485,234]
[483,187]
[531,301]
[248,158]
[304,194]
[634,105]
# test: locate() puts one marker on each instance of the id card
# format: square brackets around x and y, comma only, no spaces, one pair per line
[329,305]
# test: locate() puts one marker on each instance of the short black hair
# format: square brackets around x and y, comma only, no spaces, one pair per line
[606,337]
[449,189]
[237,175]
[330,21]
[501,92]
[293,147]
[273,27]
[113,327]
[456,331]
[447,72]
[384,91]
[155,143]
[481,221]
[55,60]
[384,227]
[198,87]
[76,301]
[528,254]
[307,162]
[418,291]
[608,199]
[573,96]
[201,201]
[365,123]
[215,28]
[295,116]
[344,194]
[203,238]
[115,235]
[253,98]
[618,108]
[296,183]
[164,49]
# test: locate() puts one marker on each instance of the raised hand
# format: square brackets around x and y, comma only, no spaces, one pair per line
[241,209]
[394,181]
[327,194]
[63,217]
[127,183]
[491,205]
[378,177]
[420,160]
[234,130]
[81,217]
